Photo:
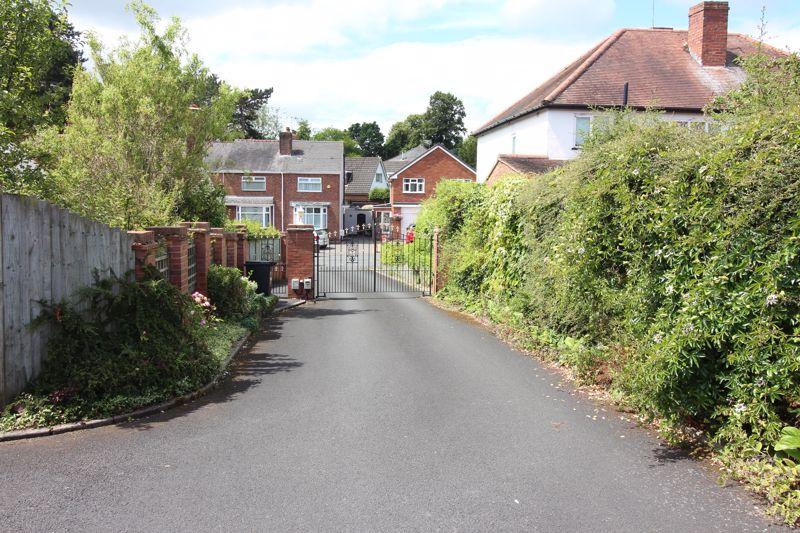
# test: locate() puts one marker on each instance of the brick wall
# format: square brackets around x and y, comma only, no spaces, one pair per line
[282,210]
[219,249]
[437,165]
[299,258]
[499,170]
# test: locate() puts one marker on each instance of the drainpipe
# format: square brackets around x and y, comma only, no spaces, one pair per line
[625,95]
[283,204]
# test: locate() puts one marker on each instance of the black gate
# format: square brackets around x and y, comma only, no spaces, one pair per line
[372,258]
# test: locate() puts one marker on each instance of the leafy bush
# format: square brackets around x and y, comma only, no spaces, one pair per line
[379,194]
[254,229]
[668,258]
[234,296]
[136,344]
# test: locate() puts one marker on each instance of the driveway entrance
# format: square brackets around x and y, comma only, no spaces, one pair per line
[369,258]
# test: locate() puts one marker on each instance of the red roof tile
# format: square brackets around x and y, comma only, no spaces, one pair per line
[655,63]
[529,164]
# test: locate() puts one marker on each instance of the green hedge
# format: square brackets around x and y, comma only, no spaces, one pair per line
[664,258]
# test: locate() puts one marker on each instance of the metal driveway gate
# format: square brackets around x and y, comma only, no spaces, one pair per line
[370,258]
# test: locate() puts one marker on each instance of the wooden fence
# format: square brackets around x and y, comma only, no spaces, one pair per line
[46,254]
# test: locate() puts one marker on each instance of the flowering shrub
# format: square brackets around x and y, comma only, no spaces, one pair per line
[233,295]
[672,255]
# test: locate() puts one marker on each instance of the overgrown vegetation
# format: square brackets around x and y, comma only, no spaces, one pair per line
[379,194]
[235,296]
[136,344]
[664,262]
[254,229]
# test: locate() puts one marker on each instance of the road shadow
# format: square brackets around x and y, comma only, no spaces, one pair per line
[248,368]
[315,311]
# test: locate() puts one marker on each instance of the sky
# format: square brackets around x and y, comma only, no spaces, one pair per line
[336,62]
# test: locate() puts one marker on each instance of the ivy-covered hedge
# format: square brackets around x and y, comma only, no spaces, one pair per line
[664,260]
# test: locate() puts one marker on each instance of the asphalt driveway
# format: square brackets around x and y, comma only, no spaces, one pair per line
[379,414]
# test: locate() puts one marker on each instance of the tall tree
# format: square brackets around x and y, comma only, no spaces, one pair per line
[368,136]
[404,135]
[468,151]
[444,120]
[303,130]
[248,112]
[334,134]
[267,123]
[39,51]
[132,152]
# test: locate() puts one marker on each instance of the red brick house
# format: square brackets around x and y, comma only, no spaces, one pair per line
[520,164]
[274,181]
[413,177]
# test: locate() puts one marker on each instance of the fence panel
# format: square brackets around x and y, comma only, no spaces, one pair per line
[46,254]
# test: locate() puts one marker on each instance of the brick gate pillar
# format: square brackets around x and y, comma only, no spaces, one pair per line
[202,253]
[177,238]
[300,259]
[230,248]
[144,251]
[219,252]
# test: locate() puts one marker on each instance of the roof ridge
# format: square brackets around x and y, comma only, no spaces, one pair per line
[527,156]
[583,67]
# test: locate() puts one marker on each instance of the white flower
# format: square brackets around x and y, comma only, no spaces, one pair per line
[772,299]
[581,250]
[688,328]
[658,337]
[739,408]
[670,289]
[635,171]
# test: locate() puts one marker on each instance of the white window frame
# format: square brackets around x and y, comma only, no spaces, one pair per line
[314,211]
[254,183]
[266,213]
[309,184]
[577,131]
[418,183]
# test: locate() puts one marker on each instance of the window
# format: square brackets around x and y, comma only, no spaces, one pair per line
[254,183]
[309,184]
[583,125]
[315,215]
[260,213]
[514,144]
[414,185]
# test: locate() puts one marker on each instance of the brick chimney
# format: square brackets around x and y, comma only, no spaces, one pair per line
[285,142]
[708,33]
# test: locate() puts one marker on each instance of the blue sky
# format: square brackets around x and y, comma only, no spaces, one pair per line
[338,62]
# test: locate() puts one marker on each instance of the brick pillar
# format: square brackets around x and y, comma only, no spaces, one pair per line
[300,258]
[241,249]
[144,251]
[177,238]
[230,248]
[219,254]
[202,253]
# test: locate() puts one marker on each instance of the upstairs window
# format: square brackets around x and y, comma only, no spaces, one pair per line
[514,144]
[254,183]
[414,185]
[309,184]
[583,126]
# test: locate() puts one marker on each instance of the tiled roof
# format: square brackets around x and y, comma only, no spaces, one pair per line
[396,163]
[248,155]
[655,63]
[529,164]
[363,169]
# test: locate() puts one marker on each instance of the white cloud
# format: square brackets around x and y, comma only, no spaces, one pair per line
[391,82]
[571,16]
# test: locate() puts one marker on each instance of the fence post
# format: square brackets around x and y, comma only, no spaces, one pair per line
[299,259]
[438,276]
[177,238]
[144,251]
[230,248]
[218,250]
[202,253]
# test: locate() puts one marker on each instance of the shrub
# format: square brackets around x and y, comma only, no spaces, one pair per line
[254,229]
[379,194]
[135,344]
[234,296]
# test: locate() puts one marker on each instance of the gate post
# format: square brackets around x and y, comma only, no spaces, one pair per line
[438,276]
[300,259]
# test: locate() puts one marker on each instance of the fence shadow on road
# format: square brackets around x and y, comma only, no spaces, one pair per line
[248,368]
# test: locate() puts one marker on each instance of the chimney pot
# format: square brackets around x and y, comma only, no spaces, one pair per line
[285,142]
[708,33]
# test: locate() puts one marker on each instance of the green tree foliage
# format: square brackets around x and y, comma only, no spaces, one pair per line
[132,152]
[442,123]
[40,51]
[405,135]
[444,120]
[664,259]
[334,134]
[468,151]
[248,115]
[379,194]
[303,130]
[267,123]
[368,136]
